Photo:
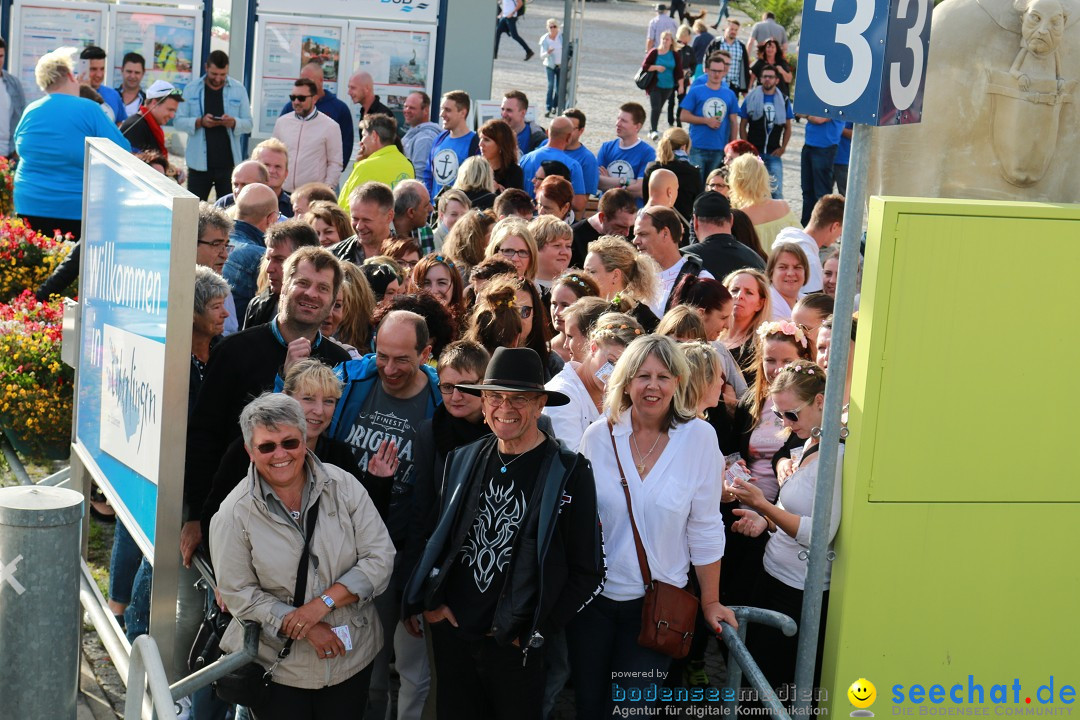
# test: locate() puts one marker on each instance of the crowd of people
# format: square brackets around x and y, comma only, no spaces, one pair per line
[439,376]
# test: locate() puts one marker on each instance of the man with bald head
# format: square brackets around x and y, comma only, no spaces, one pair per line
[663,190]
[412,208]
[386,396]
[362,93]
[256,210]
[329,105]
[559,134]
[246,173]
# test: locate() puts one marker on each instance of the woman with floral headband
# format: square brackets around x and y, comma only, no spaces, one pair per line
[567,289]
[438,275]
[757,435]
[584,382]
[797,396]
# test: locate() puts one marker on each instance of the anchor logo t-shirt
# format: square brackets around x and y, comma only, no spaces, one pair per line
[625,163]
[703,101]
[446,157]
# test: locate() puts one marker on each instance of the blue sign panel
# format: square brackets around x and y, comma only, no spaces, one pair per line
[124,288]
[863,61]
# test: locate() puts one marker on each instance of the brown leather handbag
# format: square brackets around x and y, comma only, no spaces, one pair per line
[669,615]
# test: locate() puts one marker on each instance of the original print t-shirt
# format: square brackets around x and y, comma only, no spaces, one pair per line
[477,575]
[383,417]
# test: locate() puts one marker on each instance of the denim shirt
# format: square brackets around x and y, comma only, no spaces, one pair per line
[242,268]
[237,105]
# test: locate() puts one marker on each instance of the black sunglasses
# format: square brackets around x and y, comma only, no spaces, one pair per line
[294,98]
[792,415]
[268,447]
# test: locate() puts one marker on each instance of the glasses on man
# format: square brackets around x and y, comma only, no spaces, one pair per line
[792,415]
[297,98]
[511,254]
[497,399]
[268,448]
[716,186]
[217,244]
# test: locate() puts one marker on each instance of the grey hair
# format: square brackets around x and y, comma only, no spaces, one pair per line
[407,195]
[210,216]
[272,411]
[209,286]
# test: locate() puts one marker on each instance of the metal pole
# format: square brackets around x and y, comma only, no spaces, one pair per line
[854,215]
[564,61]
[13,461]
[40,533]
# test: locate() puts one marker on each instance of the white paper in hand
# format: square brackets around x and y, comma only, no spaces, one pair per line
[342,631]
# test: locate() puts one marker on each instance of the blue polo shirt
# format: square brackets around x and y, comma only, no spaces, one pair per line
[532,161]
[824,135]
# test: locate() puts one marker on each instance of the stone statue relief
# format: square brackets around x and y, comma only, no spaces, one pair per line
[999,121]
[1030,94]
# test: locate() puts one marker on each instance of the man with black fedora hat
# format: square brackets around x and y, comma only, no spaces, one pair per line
[515,554]
[718,249]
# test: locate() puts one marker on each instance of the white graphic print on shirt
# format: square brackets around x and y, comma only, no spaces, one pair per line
[487,549]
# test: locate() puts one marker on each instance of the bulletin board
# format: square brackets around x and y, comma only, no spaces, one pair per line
[40,26]
[169,38]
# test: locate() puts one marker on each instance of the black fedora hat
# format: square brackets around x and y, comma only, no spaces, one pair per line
[515,370]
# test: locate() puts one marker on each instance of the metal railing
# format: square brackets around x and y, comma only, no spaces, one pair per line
[739,659]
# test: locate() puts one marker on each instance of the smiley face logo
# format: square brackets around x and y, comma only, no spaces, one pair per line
[862,695]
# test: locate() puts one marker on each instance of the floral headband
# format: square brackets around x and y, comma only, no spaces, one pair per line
[508,303]
[613,327]
[617,300]
[786,327]
[807,369]
[445,261]
[575,280]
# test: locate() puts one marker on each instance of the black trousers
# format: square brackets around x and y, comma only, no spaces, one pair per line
[658,97]
[346,699]
[480,679]
[200,181]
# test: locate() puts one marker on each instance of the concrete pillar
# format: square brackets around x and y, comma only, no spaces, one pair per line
[40,531]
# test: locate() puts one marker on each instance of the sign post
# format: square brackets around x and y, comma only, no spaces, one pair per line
[136,291]
[863,62]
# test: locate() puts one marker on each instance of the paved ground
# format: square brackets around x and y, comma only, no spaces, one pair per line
[613,46]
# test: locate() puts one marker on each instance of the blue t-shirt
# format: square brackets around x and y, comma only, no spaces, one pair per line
[703,101]
[447,154]
[843,152]
[824,135]
[665,80]
[589,169]
[532,161]
[50,141]
[114,101]
[626,163]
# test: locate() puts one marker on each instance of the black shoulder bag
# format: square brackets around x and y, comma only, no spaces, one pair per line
[247,685]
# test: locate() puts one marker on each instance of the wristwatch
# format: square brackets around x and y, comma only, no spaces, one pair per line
[328,600]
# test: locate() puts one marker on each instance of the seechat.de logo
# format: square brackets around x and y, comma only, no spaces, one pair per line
[862,695]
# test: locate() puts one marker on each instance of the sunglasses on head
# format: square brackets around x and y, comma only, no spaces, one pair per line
[791,415]
[267,448]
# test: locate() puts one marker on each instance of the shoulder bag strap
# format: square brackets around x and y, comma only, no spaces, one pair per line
[301,571]
[643,561]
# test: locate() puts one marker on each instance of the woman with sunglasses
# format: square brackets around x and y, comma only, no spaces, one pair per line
[551,51]
[317,389]
[756,432]
[511,239]
[257,542]
[798,398]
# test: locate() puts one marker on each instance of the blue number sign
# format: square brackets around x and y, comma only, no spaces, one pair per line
[863,61]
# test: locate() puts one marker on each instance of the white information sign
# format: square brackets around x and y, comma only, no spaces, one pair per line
[283,45]
[131,392]
[41,27]
[399,58]
[402,11]
[169,39]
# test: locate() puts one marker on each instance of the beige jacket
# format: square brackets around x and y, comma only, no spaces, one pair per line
[256,553]
[314,149]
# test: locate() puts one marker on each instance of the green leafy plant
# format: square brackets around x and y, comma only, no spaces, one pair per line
[787,12]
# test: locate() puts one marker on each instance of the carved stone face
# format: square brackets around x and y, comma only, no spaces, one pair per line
[1043,25]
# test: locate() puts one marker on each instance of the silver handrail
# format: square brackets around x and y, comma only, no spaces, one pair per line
[740,660]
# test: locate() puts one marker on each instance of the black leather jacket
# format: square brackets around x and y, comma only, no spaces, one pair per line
[557,564]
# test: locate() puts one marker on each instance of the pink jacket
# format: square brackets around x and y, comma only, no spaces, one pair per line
[314,149]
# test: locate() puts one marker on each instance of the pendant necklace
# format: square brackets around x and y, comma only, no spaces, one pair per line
[645,457]
[504,463]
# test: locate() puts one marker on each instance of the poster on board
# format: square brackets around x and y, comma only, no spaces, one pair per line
[283,46]
[170,41]
[399,58]
[43,27]
[406,11]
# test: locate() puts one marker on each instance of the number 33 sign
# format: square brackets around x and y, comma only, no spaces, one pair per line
[863,61]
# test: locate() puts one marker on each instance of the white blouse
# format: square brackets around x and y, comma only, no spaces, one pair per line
[677,505]
[781,311]
[570,421]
